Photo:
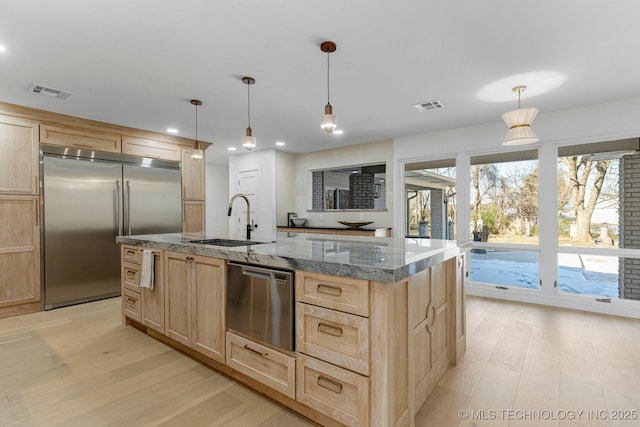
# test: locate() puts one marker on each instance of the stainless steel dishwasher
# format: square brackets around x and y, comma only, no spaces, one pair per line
[260,304]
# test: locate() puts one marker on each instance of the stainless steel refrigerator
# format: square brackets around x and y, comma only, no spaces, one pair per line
[88,199]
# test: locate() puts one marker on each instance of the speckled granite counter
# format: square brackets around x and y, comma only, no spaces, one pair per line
[379,259]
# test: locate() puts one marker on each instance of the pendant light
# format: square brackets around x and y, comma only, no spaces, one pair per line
[249,141]
[197,151]
[519,122]
[328,119]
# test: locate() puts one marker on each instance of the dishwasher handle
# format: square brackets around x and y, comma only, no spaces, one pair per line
[248,272]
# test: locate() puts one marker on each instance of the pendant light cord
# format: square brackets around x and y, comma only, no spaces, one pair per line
[249,104]
[196,123]
[328,54]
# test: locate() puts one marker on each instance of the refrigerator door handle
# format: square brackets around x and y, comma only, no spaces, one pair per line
[128,207]
[119,206]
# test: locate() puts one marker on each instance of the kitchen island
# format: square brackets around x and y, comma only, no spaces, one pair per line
[377,320]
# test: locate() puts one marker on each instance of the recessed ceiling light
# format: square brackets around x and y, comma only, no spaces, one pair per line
[537,82]
[172,130]
[338,132]
[2,48]
[280,143]
[231,148]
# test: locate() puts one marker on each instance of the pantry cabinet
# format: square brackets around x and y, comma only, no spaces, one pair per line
[19,255]
[195,302]
[19,166]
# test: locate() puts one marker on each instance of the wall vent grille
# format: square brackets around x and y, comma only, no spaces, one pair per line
[49,91]
[435,104]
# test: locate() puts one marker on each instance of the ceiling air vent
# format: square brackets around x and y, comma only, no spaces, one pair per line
[49,91]
[429,105]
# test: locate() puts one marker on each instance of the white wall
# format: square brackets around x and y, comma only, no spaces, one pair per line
[285,186]
[217,198]
[371,153]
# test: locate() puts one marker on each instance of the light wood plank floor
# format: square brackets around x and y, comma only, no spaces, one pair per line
[77,366]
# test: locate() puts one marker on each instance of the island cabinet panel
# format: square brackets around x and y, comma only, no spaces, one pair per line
[333,336]
[131,276]
[177,299]
[337,293]
[430,318]
[150,148]
[19,254]
[208,301]
[272,368]
[460,318]
[19,164]
[194,302]
[341,394]
[80,138]
[152,310]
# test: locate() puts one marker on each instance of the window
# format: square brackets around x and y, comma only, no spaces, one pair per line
[597,217]
[431,203]
[504,218]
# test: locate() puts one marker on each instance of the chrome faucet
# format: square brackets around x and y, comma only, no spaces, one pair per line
[250,225]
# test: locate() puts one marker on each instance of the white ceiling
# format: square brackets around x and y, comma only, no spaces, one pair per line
[138,63]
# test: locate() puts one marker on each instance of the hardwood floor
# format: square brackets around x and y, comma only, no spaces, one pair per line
[78,366]
[522,359]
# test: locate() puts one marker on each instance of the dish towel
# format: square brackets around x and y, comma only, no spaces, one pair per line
[146,276]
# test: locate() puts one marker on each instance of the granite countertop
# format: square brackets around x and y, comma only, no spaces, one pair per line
[382,259]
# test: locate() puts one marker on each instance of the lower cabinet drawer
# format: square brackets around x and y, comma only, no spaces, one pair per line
[131,304]
[333,336]
[131,276]
[270,367]
[338,393]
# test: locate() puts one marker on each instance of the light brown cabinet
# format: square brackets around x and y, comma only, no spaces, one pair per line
[19,165]
[19,255]
[80,138]
[195,302]
[192,176]
[142,304]
[430,306]
[193,216]
[273,368]
[150,148]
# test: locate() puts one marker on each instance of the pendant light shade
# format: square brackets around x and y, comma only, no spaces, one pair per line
[519,122]
[329,122]
[197,153]
[249,141]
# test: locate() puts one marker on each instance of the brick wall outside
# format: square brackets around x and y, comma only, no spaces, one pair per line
[317,203]
[629,226]
[361,191]
[438,230]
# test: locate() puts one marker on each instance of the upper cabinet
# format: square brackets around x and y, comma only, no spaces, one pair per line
[19,169]
[150,148]
[192,176]
[80,138]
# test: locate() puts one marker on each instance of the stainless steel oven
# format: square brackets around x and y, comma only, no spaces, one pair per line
[260,304]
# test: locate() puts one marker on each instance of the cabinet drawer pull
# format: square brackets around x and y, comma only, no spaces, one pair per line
[329,290]
[246,347]
[131,301]
[330,384]
[329,329]
[37,213]
[131,253]
[152,156]
[82,145]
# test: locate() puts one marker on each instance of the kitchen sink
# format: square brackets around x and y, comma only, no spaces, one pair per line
[226,242]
